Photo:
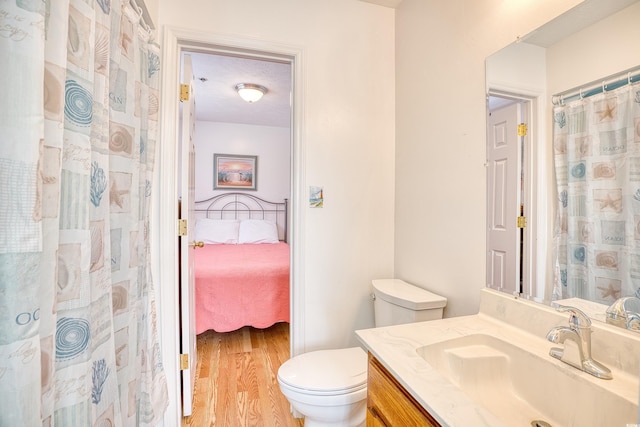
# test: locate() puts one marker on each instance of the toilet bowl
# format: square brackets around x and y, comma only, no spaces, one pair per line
[329,387]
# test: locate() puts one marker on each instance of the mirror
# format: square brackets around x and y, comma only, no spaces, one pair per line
[589,42]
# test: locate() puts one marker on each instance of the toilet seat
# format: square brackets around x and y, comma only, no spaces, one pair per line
[326,372]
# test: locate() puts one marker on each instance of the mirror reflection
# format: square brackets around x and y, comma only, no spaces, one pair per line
[568,179]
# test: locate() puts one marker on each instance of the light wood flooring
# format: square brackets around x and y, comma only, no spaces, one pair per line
[236,379]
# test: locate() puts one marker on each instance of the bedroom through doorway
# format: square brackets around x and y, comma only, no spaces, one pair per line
[243,167]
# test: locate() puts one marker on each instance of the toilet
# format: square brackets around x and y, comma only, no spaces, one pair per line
[329,387]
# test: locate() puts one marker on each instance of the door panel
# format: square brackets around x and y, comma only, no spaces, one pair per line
[502,204]
[187,246]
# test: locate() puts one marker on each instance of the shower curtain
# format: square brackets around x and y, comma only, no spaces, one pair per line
[78,124]
[597,167]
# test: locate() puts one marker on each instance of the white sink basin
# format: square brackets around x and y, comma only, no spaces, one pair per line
[520,387]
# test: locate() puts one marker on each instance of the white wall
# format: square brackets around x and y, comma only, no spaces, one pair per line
[441,136]
[348,137]
[271,144]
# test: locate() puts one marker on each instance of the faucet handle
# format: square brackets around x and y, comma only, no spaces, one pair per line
[577,317]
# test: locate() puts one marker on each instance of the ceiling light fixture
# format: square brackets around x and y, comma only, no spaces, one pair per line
[250,92]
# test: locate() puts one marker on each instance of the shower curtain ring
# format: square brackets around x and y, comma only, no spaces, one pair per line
[604,86]
[581,97]
[629,77]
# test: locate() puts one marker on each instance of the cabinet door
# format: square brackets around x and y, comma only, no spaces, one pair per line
[373,420]
[390,404]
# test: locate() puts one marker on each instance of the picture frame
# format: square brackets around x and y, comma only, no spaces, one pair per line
[235,172]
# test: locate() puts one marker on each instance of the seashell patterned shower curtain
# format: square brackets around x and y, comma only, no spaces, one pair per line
[597,166]
[78,126]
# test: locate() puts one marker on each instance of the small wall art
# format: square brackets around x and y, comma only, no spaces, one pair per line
[235,172]
[316,197]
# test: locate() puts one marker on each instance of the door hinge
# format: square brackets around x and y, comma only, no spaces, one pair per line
[182,227]
[522,129]
[185,91]
[522,221]
[184,362]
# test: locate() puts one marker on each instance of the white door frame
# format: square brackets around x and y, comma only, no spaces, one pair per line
[534,270]
[175,40]
[187,248]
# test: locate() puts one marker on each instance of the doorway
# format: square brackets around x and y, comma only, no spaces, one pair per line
[510,263]
[224,124]
[175,42]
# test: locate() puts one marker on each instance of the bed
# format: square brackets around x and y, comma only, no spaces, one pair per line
[242,272]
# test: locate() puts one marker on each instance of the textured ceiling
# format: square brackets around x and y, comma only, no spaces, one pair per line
[217,100]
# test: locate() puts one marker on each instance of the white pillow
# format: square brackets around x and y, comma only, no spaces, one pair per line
[217,231]
[258,231]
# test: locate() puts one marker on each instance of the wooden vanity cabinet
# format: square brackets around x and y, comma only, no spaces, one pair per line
[389,404]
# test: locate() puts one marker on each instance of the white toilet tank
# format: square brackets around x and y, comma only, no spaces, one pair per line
[397,302]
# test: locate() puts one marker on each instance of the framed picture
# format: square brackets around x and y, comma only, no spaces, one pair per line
[235,172]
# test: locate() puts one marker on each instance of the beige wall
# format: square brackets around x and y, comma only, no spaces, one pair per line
[348,137]
[440,137]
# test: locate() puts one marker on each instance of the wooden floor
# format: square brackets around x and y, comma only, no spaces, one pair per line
[236,379]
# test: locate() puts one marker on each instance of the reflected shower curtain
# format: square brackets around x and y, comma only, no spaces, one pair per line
[597,165]
[78,123]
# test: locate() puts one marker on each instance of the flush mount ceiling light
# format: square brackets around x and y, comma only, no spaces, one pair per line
[250,92]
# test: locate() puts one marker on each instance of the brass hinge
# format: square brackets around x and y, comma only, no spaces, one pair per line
[185,90]
[522,221]
[182,227]
[184,362]
[522,129]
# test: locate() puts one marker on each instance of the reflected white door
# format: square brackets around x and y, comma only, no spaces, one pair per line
[503,209]
[187,245]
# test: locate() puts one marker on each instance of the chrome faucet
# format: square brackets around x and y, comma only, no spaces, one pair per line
[625,312]
[578,331]
[633,321]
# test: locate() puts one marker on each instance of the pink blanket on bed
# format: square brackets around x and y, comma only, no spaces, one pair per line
[241,285]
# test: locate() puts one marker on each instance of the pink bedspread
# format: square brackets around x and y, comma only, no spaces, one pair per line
[241,285]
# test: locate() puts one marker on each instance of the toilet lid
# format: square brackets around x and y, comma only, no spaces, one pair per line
[409,296]
[326,370]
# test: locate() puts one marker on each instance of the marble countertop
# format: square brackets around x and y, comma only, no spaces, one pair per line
[517,321]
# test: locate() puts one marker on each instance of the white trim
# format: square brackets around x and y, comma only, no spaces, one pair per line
[536,230]
[174,42]
[167,206]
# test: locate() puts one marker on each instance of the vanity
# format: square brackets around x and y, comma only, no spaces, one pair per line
[494,369]
[389,403]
